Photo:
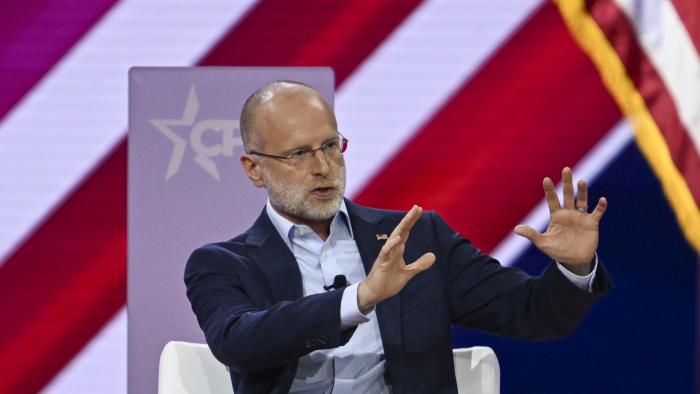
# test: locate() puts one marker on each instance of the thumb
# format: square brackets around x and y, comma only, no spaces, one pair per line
[527,232]
[423,263]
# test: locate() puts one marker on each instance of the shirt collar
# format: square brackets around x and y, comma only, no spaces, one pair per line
[286,228]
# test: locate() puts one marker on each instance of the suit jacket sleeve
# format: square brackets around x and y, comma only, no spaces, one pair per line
[243,329]
[505,300]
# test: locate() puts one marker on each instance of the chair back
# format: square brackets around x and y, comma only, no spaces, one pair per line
[190,368]
[477,370]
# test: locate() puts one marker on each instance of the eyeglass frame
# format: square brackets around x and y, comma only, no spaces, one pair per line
[342,147]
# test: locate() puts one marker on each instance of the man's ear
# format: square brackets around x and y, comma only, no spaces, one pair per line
[252,169]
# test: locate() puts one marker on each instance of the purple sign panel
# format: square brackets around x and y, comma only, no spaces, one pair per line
[186,188]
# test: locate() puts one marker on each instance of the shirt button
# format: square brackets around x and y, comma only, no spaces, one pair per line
[324,254]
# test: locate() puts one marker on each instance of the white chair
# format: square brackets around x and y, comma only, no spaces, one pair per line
[190,368]
[477,370]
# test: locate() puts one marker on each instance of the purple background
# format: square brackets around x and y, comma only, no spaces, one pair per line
[168,219]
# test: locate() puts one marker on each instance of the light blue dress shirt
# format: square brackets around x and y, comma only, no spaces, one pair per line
[358,366]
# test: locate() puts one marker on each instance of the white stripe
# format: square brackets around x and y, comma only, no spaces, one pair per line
[78,112]
[592,165]
[668,45]
[414,72]
[100,367]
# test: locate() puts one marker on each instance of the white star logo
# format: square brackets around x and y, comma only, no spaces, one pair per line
[204,153]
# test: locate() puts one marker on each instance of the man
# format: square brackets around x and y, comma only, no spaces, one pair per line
[265,299]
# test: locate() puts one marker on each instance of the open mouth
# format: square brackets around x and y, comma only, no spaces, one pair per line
[323,191]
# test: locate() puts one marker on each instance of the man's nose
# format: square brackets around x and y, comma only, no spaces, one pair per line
[319,163]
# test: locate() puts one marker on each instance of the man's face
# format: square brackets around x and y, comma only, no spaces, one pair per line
[311,189]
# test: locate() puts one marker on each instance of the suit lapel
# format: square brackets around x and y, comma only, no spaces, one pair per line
[274,259]
[367,224]
[281,271]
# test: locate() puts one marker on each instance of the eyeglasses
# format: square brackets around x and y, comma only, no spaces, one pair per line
[331,150]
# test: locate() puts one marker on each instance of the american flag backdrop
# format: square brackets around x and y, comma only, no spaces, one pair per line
[459,106]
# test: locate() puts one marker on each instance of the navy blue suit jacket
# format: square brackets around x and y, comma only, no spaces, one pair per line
[247,296]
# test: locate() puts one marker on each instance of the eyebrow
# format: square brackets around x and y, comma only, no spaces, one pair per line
[329,139]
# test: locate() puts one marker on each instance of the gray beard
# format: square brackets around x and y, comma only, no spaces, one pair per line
[292,198]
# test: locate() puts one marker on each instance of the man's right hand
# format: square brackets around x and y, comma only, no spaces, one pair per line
[390,272]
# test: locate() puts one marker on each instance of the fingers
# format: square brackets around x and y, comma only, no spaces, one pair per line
[423,263]
[600,209]
[580,203]
[582,199]
[390,248]
[568,186]
[528,232]
[403,228]
[550,195]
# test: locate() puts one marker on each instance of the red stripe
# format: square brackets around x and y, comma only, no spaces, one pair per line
[689,12]
[622,36]
[34,36]
[67,280]
[535,107]
[78,311]
[310,33]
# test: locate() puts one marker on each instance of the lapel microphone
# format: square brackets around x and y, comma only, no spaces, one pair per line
[338,283]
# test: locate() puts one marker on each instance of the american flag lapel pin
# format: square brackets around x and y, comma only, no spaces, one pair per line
[382,237]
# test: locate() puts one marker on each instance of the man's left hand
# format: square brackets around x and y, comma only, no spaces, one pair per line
[572,234]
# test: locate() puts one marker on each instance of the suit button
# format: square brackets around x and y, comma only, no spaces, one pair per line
[323,340]
[309,345]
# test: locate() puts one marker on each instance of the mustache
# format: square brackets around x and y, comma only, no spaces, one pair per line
[335,181]
[331,185]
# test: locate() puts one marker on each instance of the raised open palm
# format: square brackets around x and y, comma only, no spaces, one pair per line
[572,234]
[390,273]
